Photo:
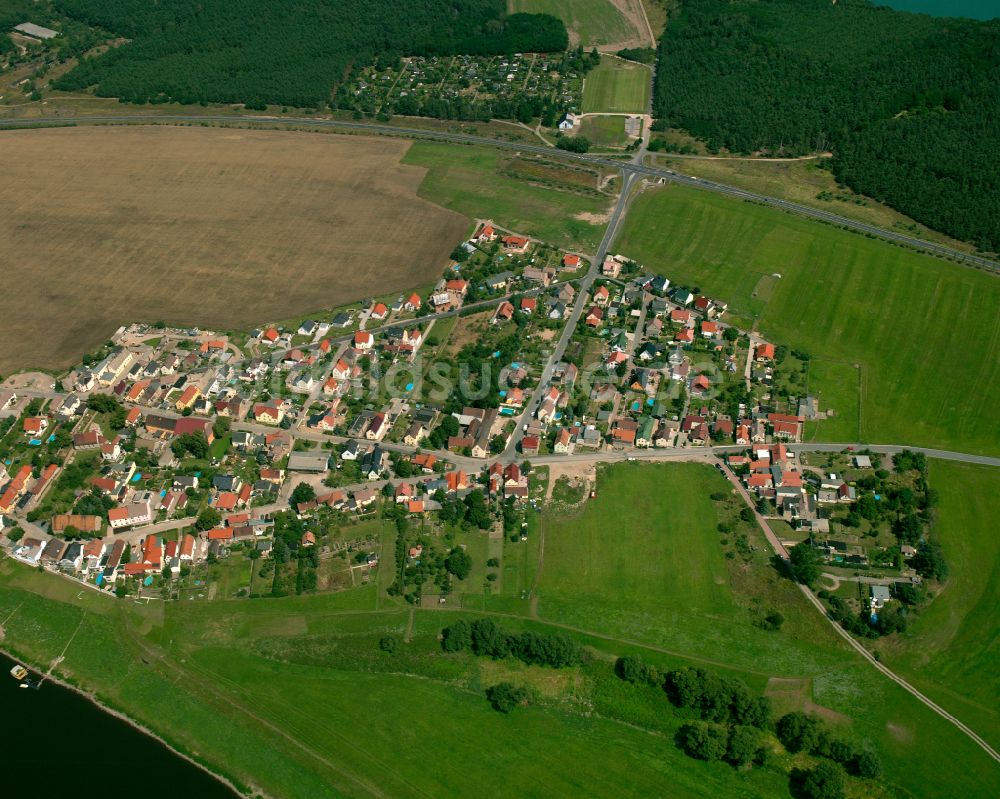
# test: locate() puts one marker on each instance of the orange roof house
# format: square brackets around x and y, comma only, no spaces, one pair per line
[226,501]
[35,424]
[187,398]
[515,242]
[457,480]
[764,352]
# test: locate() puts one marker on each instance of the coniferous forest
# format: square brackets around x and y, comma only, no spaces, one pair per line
[292,52]
[909,104]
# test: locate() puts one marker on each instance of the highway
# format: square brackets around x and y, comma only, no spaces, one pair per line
[627,167]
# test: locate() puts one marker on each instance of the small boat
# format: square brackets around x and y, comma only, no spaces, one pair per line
[18,672]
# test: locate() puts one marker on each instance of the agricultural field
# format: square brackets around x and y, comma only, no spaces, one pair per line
[110,225]
[806,181]
[950,650]
[923,333]
[590,23]
[617,87]
[473,180]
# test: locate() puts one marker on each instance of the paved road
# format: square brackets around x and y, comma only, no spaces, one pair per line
[582,300]
[462,138]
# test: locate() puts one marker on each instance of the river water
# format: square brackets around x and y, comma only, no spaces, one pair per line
[59,744]
[974,9]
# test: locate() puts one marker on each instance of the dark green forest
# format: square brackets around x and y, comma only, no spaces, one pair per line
[293,52]
[909,104]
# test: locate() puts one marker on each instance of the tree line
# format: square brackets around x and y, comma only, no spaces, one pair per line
[258,52]
[909,104]
[486,638]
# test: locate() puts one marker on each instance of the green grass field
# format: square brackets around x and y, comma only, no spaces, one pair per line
[294,698]
[466,179]
[589,22]
[617,87]
[925,332]
[951,651]
[643,562]
[606,131]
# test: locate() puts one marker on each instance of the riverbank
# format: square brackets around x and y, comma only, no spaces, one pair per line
[227,788]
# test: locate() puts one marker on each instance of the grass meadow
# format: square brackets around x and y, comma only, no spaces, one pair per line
[604,131]
[293,697]
[470,180]
[924,333]
[617,87]
[951,650]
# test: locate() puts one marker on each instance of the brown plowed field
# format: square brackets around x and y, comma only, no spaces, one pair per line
[219,228]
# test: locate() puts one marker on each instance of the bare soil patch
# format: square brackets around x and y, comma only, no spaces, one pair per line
[593,219]
[200,226]
[633,11]
[788,694]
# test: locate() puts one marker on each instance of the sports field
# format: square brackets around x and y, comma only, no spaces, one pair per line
[924,333]
[201,226]
[474,181]
[589,22]
[951,649]
[617,87]
[294,698]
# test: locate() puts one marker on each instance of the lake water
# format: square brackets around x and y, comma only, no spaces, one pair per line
[59,744]
[975,9]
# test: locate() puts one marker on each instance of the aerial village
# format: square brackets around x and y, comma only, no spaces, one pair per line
[169,449]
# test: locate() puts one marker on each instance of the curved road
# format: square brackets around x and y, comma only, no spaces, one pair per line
[463,138]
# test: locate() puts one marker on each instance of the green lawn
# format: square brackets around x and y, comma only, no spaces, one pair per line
[467,180]
[604,131]
[615,86]
[952,648]
[643,562]
[591,22]
[924,332]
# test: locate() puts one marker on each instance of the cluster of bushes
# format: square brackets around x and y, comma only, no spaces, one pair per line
[573,144]
[733,725]
[738,745]
[718,699]
[505,696]
[644,55]
[485,637]
[805,732]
